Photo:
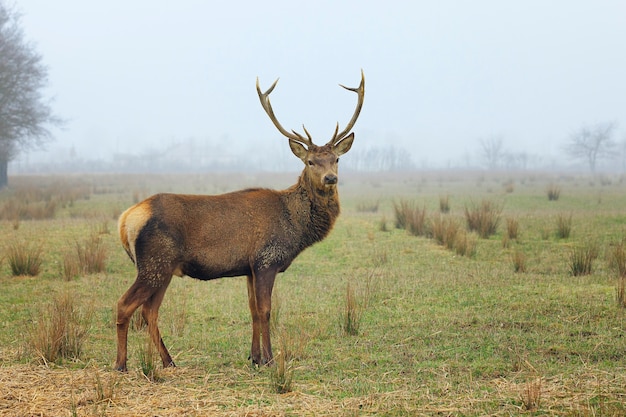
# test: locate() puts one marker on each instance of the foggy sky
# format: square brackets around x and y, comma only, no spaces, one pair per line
[440,76]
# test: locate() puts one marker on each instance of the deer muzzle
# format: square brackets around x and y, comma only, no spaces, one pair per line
[330,179]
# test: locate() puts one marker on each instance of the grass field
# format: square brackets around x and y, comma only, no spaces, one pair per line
[371,321]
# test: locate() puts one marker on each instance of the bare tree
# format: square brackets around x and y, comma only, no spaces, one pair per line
[24,114]
[591,143]
[492,151]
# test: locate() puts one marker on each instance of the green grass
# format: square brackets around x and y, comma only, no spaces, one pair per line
[438,333]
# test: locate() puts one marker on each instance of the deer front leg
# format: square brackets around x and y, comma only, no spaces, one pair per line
[263,285]
[255,351]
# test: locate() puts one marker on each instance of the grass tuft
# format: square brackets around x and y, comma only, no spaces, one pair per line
[367,207]
[512,228]
[483,218]
[60,330]
[444,204]
[148,360]
[466,244]
[620,294]
[91,254]
[531,395]
[410,217]
[563,226]
[445,230]
[554,192]
[617,257]
[351,317]
[582,258]
[24,259]
[519,261]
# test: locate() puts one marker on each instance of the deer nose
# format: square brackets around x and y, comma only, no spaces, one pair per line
[330,179]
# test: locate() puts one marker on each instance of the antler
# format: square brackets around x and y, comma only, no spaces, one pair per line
[265,102]
[360,90]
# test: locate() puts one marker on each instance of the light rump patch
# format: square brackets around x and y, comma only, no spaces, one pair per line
[130,224]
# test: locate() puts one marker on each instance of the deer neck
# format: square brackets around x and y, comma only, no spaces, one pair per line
[316,210]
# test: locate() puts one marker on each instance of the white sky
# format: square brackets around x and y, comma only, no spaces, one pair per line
[129,75]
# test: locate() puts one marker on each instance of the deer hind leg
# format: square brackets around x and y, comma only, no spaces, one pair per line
[136,295]
[260,286]
[150,312]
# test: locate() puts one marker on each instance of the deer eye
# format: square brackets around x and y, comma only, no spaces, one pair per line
[311,163]
[337,161]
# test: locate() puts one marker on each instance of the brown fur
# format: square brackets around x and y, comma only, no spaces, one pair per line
[255,233]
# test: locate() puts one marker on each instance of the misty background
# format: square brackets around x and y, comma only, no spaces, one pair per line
[156,85]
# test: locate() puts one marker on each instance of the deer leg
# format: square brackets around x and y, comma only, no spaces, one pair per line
[255,351]
[263,285]
[136,295]
[150,312]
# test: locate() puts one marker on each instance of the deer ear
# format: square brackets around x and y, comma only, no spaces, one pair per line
[298,149]
[345,145]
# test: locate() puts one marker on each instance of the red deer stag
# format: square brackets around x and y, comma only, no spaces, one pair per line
[253,232]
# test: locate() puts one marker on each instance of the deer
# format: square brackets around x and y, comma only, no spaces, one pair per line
[254,232]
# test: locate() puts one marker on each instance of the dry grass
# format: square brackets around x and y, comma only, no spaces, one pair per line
[444,204]
[519,261]
[441,335]
[620,294]
[563,226]
[410,217]
[91,254]
[466,244]
[445,230]
[531,395]
[149,361]
[351,316]
[24,259]
[38,390]
[512,228]
[582,258]
[483,218]
[70,265]
[60,330]
[368,207]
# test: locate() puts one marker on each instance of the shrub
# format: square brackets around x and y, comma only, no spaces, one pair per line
[25,260]
[483,218]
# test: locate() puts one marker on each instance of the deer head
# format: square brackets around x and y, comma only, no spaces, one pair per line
[320,161]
